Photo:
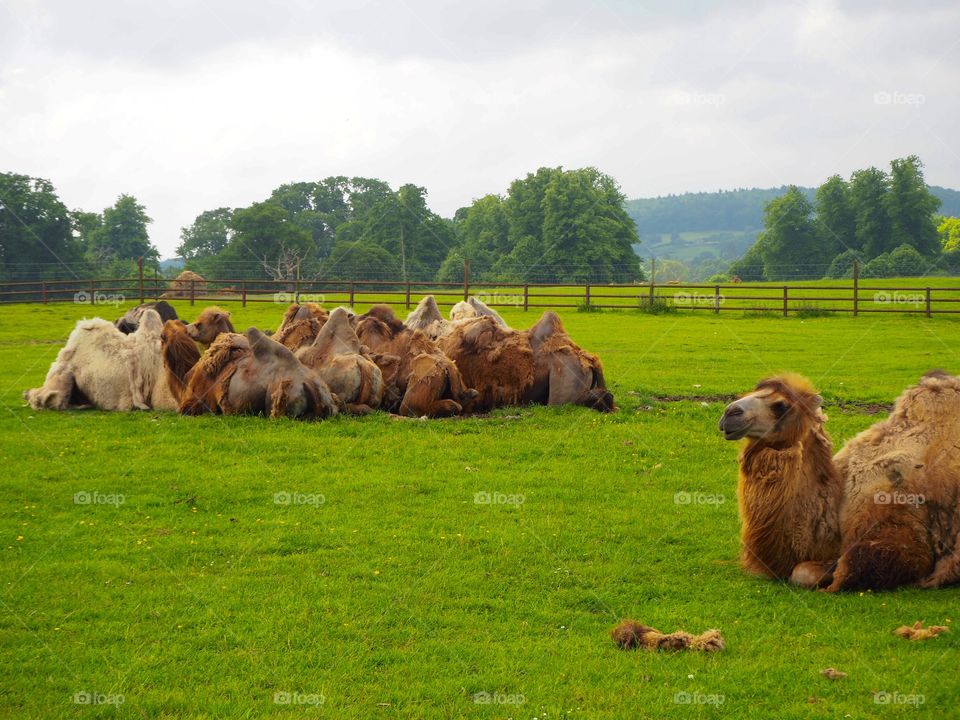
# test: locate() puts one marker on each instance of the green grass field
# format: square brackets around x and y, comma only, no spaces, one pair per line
[354,569]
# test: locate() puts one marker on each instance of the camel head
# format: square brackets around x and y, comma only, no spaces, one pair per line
[779,411]
[210,323]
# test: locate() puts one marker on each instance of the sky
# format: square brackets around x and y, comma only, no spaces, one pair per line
[190,106]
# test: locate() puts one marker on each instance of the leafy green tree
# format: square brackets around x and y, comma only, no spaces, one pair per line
[790,246]
[836,224]
[842,265]
[911,207]
[868,191]
[879,267]
[268,242]
[207,235]
[749,267]
[360,261]
[123,233]
[948,231]
[36,236]
[906,261]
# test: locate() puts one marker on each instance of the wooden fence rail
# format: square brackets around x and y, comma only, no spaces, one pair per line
[854,297]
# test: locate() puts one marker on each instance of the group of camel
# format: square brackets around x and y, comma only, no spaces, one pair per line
[319,363]
[882,513]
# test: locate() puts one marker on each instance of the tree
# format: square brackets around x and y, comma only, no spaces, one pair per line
[868,190]
[948,231]
[879,267]
[836,224]
[361,261]
[790,245]
[906,261]
[36,235]
[842,265]
[208,235]
[911,207]
[749,267]
[264,237]
[123,233]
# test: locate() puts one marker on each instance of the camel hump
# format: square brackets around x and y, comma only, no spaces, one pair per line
[425,313]
[337,337]
[264,348]
[548,325]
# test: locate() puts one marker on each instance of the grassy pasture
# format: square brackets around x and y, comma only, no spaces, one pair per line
[353,568]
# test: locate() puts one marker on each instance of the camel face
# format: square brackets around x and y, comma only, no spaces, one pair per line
[772,413]
[210,323]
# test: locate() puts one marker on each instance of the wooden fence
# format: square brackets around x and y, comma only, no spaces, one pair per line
[854,297]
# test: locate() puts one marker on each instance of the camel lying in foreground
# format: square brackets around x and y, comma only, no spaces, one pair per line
[541,365]
[884,512]
[102,367]
[335,355]
[425,380]
[246,374]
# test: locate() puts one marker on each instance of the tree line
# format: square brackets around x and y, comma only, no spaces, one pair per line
[554,225]
[886,221]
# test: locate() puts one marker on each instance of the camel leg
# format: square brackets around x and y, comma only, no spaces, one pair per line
[879,565]
[358,409]
[812,574]
[945,572]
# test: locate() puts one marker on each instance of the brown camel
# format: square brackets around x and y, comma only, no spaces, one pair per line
[884,512]
[541,365]
[335,355]
[252,374]
[211,322]
[300,325]
[426,381]
[180,355]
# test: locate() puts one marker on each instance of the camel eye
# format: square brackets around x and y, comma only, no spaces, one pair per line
[779,408]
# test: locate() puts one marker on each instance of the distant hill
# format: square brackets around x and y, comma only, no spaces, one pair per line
[720,224]
[174,263]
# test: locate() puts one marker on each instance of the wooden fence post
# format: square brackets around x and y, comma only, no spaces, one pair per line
[856,288]
[466,280]
[351,293]
[653,278]
[716,299]
[243,293]
[408,295]
[140,278]
[43,288]
[928,302]
[93,292]
[586,297]
[526,297]
[785,305]
[193,291]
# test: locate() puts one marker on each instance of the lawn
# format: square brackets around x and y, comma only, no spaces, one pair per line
[168,567]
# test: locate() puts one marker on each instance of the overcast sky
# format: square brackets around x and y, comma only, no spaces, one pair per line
[194,105]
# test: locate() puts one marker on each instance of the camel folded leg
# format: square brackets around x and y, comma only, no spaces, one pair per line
[880,565]
[812,574]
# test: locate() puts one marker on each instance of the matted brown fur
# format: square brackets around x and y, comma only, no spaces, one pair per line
[300,325]
[208,382]
[884,512]
[630,635]
[180,354]
[427,381]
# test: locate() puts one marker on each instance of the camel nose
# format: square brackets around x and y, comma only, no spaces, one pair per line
[731,411]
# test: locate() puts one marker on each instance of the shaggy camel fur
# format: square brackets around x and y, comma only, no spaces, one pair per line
[211,322]
[630,634]
[252,374]
[475,308]
[541,365]
[101,367]
[427,317]
[300,325]
[335,355]
[427,382]
[180,355]
[131,319]
[884,512]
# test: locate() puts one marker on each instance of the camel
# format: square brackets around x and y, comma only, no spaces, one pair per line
[252,374]
[131,319]
[425,381]
[300,325]
[100,366]
[180,355]
[427,317]
[882,513]
[335,355]
[541,365]
[211,322]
